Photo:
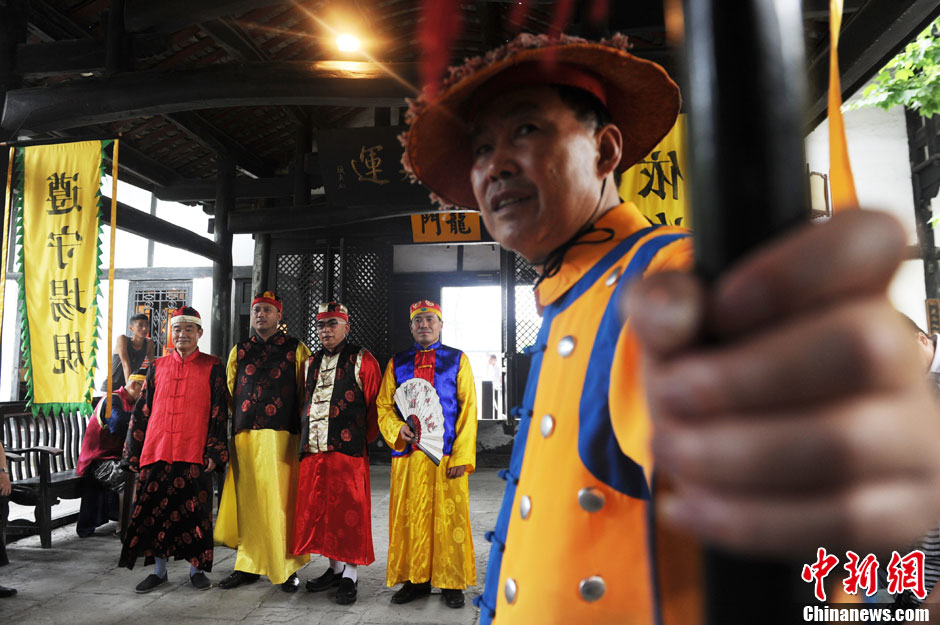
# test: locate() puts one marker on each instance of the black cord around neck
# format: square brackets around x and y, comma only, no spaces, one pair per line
[556,257]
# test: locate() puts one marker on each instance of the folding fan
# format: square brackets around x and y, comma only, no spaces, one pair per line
[420,406]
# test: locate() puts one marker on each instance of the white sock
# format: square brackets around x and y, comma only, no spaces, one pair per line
[159,567]
[336,565]
[351,572]
[193,570]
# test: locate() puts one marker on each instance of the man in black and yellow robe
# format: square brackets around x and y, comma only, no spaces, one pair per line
[257,509]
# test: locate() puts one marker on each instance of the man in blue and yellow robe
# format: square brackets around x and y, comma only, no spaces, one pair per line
[430,543]
[256,514]
[576,539]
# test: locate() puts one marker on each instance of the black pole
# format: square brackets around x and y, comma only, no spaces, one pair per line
[745,103]
[222,268]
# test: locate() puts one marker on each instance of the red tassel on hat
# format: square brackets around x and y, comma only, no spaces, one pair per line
[437,34]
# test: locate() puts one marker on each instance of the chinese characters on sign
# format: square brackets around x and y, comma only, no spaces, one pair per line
[658,178]
[903,573]
[362,167]
[371,163]
[933,316]
[63,193]
[656,184]
[445,227]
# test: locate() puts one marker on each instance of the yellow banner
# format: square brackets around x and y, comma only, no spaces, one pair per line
[841,182]
[657,183]
[445,227]
[60,227]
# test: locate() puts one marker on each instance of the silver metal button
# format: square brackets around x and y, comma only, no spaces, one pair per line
[525,506]
[547,426]
[510,590]
[613,277]
[590,499]
[566,346]
[592,588]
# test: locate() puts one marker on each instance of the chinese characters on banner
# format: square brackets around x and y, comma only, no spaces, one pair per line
[442,227]
[933,316]
[362,167]
[58,225]
[903,573]
[657,183]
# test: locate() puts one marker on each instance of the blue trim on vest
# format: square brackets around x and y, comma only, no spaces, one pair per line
[487,601]
[651,551]
[597,445]
[446,366]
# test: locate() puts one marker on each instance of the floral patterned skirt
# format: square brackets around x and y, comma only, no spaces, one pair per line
[172,515]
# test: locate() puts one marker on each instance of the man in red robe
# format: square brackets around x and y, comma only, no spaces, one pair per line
[176,440]
[333,516]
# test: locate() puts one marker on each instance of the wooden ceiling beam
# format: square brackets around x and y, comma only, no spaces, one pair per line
[877,31]
[316,216]
[171,15]
[206,133]
[134,94]
[50,24]
[239,44]
[152,228]
[189,190]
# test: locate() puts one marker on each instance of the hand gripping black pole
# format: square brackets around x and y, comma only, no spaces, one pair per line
[745,104]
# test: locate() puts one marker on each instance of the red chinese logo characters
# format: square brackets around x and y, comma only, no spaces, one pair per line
[903,573]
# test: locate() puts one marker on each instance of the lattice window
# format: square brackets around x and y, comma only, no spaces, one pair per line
[300,285]
[157,300]
[366,275]
[359,280]
[528,321]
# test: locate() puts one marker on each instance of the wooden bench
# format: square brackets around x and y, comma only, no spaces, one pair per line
[4,511]
[49,447]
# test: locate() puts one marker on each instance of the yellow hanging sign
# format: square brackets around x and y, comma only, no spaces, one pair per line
[59,227]
[657,184]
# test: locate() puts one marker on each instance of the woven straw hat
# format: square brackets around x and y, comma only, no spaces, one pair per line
[642,100]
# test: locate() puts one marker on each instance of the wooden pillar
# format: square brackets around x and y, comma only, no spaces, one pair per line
[222,270]
[261,264]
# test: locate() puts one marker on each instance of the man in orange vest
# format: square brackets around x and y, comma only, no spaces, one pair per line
[814,372]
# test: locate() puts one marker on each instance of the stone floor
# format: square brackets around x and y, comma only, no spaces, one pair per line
[78,581]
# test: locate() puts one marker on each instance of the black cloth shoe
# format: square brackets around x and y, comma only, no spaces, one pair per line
[410,592]
[325,581]
[292,584]
[453,597]
[150,582]
[237,578]
[346,593]
[200,581]
[9,592]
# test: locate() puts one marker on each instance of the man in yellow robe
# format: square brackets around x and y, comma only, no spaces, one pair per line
[429,542]
[265,378]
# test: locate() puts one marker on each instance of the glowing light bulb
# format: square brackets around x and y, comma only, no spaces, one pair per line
[347,43]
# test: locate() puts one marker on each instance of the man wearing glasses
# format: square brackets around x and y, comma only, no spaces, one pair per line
[334,512]
[255,515]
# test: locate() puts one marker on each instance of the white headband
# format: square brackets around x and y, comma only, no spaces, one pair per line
[185,319]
